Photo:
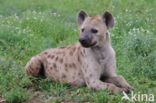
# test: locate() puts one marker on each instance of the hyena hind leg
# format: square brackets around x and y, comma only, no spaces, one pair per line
[35,66]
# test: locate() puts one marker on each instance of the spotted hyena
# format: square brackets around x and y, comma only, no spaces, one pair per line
[91,61]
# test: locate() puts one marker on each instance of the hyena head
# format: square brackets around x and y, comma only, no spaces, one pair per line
[94,30]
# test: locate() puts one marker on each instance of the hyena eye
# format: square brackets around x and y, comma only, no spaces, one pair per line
[82,30]
[94,30]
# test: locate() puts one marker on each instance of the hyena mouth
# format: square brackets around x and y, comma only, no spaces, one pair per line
[89,45]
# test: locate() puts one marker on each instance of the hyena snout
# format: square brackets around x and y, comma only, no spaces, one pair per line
[86,42]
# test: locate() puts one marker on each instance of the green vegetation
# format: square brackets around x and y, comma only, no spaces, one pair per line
[28,27]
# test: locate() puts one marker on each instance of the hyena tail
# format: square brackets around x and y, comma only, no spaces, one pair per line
[35,66]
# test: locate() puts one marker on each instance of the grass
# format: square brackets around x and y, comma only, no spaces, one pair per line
[28,27]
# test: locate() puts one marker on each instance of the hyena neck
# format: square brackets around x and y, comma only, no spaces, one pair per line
[101,51]
[105,44]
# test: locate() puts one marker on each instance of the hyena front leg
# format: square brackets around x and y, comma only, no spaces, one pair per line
[99,85]
[92,80]
[119,81]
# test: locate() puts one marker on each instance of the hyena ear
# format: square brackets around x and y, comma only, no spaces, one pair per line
[108,19]
[82,15]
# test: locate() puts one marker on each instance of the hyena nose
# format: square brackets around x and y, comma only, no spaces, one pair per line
[83,40]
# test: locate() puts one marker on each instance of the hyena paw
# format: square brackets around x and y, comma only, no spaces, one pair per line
[121,90]
[129,87]
[125,90]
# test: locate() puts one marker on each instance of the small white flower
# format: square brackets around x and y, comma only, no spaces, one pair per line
[24,31]
[35,18]
[41,20]
[40,13]
[147,31]
[27,18]
[147,19]
[34,12]
[16,16]
[74,30]
[31,34]
[134,29]
[141,29]
[54,14]
[17,28]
